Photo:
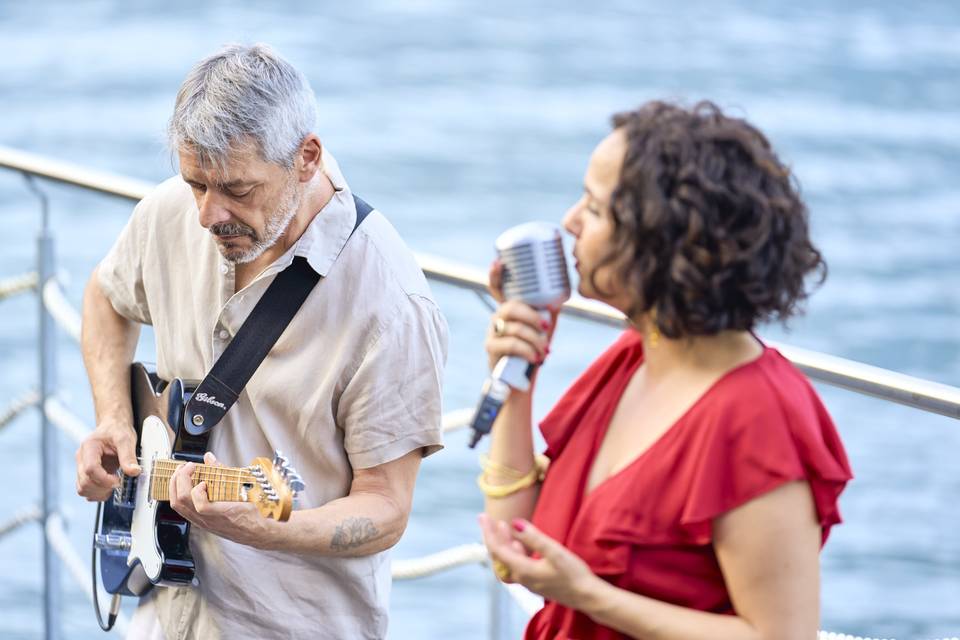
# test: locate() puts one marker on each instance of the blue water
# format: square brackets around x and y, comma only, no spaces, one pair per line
[460,118]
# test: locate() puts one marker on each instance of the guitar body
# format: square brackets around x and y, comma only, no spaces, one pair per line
[149,540]
[141,542]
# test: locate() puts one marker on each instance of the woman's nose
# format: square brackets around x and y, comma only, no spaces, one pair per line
[571,220]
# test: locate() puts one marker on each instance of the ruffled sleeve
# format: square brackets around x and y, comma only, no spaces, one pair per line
[749,448]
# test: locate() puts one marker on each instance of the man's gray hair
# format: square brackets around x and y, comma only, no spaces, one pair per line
[242,95]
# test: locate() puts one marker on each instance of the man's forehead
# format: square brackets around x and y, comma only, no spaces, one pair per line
[239,168]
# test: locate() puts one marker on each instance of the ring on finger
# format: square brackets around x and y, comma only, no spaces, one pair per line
[499,327]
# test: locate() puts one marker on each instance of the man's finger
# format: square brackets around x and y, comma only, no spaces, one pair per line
[127,453]
[199,496]
[90,467]
[180,487]
[209,458]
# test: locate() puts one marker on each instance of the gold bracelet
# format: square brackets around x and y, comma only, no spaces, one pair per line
[528,479]
[504,490]
[501,470]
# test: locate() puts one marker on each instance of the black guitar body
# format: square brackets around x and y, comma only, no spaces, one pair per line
[151,396]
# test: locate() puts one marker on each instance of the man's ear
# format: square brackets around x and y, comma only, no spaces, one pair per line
[310,159]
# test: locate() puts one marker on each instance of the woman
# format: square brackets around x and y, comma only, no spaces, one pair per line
[693,472]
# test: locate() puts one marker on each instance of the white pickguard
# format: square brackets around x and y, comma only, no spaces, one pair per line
[154,445]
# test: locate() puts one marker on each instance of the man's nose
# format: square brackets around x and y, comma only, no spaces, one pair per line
[212,210]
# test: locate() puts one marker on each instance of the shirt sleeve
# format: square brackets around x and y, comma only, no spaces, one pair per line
[120,273]
[759,447]
[392,404]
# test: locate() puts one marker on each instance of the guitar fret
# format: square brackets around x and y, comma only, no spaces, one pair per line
[223,483]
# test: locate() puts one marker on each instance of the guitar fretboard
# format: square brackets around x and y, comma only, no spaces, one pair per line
[224,484]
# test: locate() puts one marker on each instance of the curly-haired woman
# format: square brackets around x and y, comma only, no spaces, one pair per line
[693,471]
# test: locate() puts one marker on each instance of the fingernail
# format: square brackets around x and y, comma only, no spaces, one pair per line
[544,324]
[519,524]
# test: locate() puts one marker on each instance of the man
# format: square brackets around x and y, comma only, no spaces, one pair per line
[351,389]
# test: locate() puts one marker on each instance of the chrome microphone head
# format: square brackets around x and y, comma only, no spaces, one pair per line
[534,267]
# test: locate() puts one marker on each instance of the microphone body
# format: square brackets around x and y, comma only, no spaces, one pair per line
[534,272]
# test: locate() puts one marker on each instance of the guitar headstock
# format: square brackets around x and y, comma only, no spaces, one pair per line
[275,487]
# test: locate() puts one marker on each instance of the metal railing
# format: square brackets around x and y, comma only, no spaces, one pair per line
[56,312]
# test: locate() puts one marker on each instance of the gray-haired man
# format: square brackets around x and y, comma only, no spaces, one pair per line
[352,388]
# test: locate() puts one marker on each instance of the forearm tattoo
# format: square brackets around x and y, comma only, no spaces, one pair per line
[353,533]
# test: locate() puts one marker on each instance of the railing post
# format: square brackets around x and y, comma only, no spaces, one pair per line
[46,269]
[499,610]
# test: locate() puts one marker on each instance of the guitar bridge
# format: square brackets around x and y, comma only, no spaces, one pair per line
[125,494]
[113,542]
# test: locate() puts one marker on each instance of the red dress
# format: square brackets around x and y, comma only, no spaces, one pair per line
[648,528]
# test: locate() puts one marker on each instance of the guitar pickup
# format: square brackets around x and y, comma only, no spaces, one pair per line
[125,494]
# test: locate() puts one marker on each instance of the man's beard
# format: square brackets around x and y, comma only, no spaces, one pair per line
[274,227]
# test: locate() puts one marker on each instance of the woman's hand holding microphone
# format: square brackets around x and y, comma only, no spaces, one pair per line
[516,328]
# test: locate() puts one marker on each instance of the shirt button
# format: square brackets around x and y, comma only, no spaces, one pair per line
[224,334]
[224,269]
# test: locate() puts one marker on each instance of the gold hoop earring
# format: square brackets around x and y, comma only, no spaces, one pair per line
[653,332]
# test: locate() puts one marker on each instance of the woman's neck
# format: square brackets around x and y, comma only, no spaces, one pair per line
[720,352]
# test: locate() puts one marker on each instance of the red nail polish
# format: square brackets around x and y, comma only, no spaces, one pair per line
[519,524]
[544,324]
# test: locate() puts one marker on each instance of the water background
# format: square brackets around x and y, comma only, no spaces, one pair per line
[460,118]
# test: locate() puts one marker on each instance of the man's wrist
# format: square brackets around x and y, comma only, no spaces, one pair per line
[113,424]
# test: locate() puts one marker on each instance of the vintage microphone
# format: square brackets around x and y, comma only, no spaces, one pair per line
[534,272]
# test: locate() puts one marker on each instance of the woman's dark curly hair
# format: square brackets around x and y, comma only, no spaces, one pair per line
[710,232]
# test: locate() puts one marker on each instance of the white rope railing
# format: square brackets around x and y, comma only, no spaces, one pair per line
[456,419]
[80,572]
[61,310]
[830,635]
[18,406]
[65,420]
[20,518]
[439,562]
[10,287]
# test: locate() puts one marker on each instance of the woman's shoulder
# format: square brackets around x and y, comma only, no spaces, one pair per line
[769,388]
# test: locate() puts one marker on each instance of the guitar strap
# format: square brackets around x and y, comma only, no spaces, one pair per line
[221,387]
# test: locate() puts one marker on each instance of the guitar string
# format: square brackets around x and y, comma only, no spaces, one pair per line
[164,462]
[164,469]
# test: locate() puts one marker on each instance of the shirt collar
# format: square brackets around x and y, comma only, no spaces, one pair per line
[328,232]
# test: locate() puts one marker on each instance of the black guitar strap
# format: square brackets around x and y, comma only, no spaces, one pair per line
[217,392]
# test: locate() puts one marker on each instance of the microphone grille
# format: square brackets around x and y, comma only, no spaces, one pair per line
[534,266]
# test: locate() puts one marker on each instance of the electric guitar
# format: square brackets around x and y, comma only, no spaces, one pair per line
[140,540]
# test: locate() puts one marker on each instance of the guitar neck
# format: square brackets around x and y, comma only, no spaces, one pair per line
[224,484]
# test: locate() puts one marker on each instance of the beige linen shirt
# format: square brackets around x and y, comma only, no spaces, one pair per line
[353,382]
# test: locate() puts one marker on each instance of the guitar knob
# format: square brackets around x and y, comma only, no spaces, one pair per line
[297,484]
